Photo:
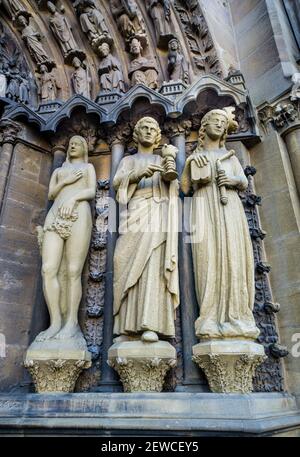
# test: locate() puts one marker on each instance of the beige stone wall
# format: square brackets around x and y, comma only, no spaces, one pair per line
[280,217]
[24,205]
[256,28]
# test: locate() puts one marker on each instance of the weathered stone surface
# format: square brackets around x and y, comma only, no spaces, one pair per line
[142,366]
[229,365]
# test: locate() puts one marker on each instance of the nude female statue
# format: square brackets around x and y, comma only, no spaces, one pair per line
[66,238]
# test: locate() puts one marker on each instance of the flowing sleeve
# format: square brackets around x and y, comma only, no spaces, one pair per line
[239,172]
[121,181]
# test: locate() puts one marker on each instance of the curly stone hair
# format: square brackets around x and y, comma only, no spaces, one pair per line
[205,121]
[138,126]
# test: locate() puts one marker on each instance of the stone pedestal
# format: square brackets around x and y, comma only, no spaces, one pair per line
[229,365]
[56,364]
[142,367]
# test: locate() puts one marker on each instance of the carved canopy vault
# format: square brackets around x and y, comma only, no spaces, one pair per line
[94,68]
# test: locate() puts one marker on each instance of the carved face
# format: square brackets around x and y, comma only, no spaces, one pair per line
[76,62]
[43,69]
[22,21]
[173,45]
[76,148]
[135,46]
[147,133]
[104,49]
[216,126]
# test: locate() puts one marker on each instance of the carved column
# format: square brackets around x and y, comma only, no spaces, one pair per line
[292,141]
[9,131]
[177,132]
[109,380]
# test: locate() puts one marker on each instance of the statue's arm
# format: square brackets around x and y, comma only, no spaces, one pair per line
[242,181]
[185,182]
[90,191]
[54,186]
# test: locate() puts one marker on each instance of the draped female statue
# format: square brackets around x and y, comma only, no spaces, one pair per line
[221,244]
[65,240]
[145,261]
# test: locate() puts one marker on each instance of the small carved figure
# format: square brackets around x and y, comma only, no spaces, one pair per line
[81,79]
[146,289]
[33,41]
[3,79]
[93,23]
[12,90]
[177,65]
[61,29]
[65,241]
[110,71]
[12,7]
[221,245]
[48,85]
[160,12]
[295,94]
[128,18]
[142,70]
[24,89]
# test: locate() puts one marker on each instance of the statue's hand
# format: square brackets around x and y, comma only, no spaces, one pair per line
[150,170]
[200,159]
[66,209]
[226,180]
[73,177]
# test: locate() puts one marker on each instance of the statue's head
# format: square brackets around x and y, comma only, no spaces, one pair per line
[43,69]
[147,132]
[173,44]
[23,21]
[104,49]
[214,125]
[135,46]
[51,7]
[76,62]
[78,149]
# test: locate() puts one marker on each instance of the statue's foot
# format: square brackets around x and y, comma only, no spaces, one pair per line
[49,333]
[149,337]
[68,331]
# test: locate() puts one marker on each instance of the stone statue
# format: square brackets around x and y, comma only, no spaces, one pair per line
[12,7]
[128,18]
[3,79]
[146,290]
[160,12]
[93,23]
[65,240]
[13,85]
[81,79]
[110,71]
[48,85]
[33,41]
[24,89]
[142,70]
[61,29]
[221,244]
[177,65]
[295,94]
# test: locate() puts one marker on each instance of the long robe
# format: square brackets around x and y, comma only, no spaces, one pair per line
[146,290]
[222,257]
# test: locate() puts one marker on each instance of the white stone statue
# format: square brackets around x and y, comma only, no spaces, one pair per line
[48,85]
[65,240]
[61,29]
[81,79]
[146,290]
[221,244]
